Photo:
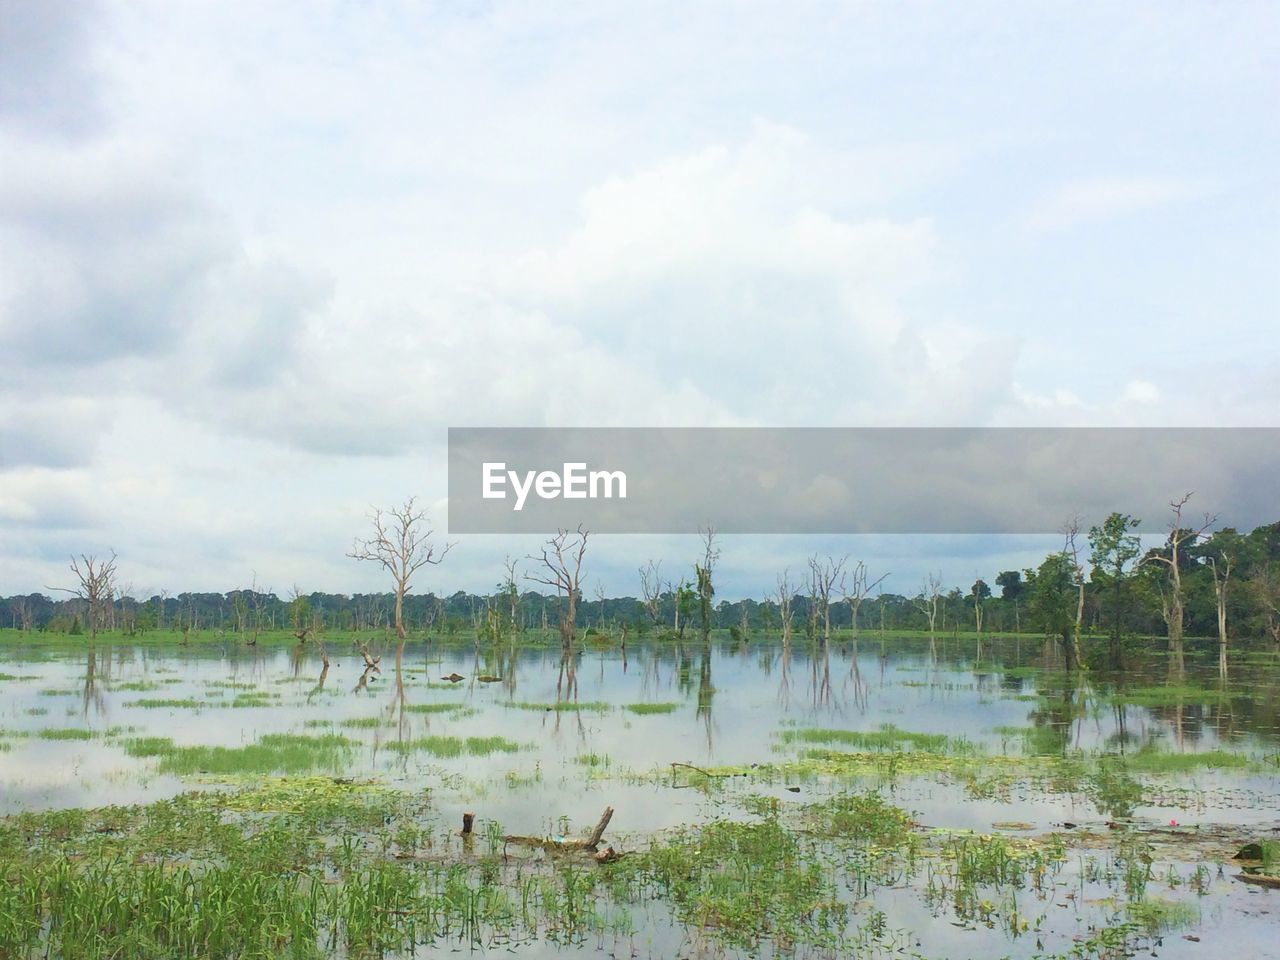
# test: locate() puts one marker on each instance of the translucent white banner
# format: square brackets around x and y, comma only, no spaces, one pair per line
[854,480]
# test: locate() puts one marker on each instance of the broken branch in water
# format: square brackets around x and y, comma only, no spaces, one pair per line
[1261,879]
[561,844]
[706,773]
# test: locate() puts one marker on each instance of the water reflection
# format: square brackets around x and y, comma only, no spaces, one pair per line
[731,698]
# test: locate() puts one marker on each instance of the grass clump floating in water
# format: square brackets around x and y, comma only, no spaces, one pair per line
[167,703]
[646,708]
[1159,761]
[588,706]
[274,753]
[255,699]
[887,738]
[435,707]
[1166,695]
[447,747]
[66,733]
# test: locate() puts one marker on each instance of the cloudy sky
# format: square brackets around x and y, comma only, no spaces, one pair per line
[256,257]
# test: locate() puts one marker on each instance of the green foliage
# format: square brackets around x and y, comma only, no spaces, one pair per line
[1053,593]
[1011,584]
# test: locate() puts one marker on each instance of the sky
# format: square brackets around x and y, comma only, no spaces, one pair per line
[257,257]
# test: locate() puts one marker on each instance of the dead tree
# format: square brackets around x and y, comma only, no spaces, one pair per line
[299,610]
[927,603]
[785,596]
[1076,655]
[1173,604]
[1221,582]
[257,612]
[96,586]
[857,588]
[706,589]
[401,545]
[1266,589]
[512,592]
[826,579]
[24,613]
[651,591]
[561,568]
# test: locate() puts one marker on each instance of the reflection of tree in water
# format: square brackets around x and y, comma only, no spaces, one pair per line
[92,694]
[370,670]
[296,656]
[820,674]
[1056,715]
[684,669]
[854,684]
[397,709]
[567,691]
[324,670]
[567,679]
[706,692]
[1121,738]
[324,675]
[784,675]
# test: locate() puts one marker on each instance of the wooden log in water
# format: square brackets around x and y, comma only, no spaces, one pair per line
[1260,879]
[589,843]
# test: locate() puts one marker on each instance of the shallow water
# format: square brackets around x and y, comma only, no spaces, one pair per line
[732,702]
[733,706]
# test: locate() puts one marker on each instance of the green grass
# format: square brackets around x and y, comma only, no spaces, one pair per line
[274,753]
[1157,915]
[165,703]
[435,707]
[67,733]
[1163,696]
[887,738]
[647,708]
[255,700]
[1270,856]
[745,884]
[1159,761]
[589,706]
[447,747]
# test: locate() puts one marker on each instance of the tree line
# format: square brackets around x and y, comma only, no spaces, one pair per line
[1200,582]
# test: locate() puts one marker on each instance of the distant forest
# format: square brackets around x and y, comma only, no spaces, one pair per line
[1226,575]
